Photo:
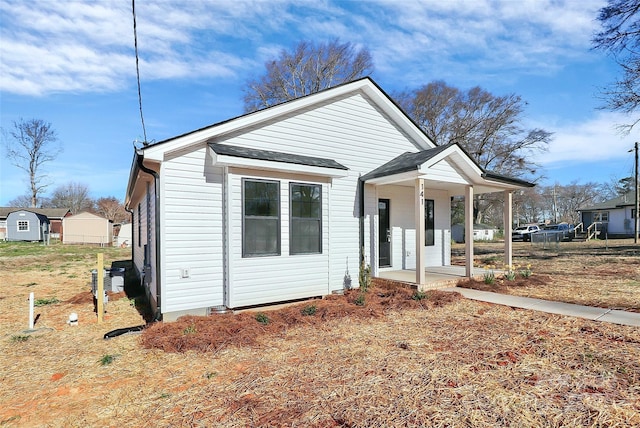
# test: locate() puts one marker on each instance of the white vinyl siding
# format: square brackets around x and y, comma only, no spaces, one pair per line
[192,238]
[266,279]
[357,135]
[443,172]
[403,233]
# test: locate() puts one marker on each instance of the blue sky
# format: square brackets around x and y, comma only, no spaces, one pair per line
[72,63]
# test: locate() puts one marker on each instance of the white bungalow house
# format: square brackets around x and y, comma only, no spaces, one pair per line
[279,204]
[614,217]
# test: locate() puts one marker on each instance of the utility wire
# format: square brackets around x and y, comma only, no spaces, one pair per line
[135,42]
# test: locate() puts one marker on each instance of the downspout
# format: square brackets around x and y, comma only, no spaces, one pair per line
[156,177]
[361,209]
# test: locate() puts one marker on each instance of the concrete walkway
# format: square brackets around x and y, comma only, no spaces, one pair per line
[569,309]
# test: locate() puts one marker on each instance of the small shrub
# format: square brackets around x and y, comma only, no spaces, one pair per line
[46,301]
[360,300]
[20,338]
[526,271]
[419,295]
[510,273]
[309,310]
[262,318]
[365,276]
[489,276]
[191,329]
[107,359]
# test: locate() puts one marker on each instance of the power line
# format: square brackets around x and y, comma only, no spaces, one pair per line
[135,42]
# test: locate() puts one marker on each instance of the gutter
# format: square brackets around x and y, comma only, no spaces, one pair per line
[156,177]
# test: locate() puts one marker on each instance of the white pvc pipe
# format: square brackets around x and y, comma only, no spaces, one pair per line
[31,311]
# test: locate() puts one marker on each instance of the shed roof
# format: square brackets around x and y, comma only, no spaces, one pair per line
[51,213]
[247,153]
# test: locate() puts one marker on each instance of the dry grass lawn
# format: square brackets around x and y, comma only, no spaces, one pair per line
[594,273]
[396,361]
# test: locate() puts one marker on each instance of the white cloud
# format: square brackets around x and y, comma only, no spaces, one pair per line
[597,139]
[53,46]
[89,47]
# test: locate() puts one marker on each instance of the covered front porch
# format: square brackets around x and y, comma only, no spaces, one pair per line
[408,204]
[434,277]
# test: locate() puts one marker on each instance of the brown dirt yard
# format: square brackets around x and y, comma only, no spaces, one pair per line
[399,359]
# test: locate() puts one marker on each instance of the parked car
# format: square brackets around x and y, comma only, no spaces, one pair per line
[563,229]
[524,232]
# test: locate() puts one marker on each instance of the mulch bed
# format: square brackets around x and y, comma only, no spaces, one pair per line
[244,329]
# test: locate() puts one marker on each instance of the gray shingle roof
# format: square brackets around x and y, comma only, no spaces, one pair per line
[626,200]
[243,152]
[405,162]
[411,162]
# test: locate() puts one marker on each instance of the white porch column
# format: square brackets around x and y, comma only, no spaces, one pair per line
[419,223]
[508,227]
[468,230]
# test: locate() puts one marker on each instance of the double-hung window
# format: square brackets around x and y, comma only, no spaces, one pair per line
[305,235]
[23,225]
[260,218]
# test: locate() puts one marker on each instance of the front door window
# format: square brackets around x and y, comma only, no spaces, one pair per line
[384,233]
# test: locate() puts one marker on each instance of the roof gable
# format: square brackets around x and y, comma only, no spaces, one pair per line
[22,211]
[86,215]
[51,213]
[452,156]
[364,86]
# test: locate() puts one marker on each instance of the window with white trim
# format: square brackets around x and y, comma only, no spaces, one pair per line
[260,218]
[305,234]
[601,216]
[23,225]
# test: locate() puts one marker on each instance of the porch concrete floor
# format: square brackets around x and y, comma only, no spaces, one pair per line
[435,277]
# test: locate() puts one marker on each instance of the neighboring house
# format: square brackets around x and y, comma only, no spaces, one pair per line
[615,215]
[55,216]
[124,235]
[281,204]
[87,228]
[26,225]
[481,232]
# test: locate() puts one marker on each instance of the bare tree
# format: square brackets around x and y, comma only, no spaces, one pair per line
[110,208]
[74,196]
[307,69]
[23,201]
[620,37]
[488,127]
[32,144]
